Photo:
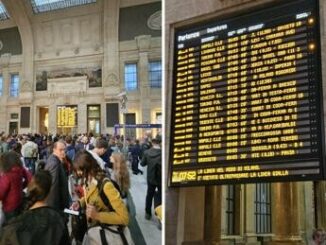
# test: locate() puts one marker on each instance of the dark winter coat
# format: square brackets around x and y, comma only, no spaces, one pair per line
[59,195]
[37,226]
[153,159]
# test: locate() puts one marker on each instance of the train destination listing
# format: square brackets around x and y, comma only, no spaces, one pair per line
[246,102]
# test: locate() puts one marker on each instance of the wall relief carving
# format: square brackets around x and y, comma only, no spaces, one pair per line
[154,22]
[94,76]
[112,79]
[26,86]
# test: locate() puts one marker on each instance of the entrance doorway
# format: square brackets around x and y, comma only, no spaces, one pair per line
[130,118]
[94,119]
[44,120]
[13,127]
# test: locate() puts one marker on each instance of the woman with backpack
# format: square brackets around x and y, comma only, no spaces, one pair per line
[13,179]
[102,201]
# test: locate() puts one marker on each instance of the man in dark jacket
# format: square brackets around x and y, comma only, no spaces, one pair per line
[59,195]
[153,159]
[135,152]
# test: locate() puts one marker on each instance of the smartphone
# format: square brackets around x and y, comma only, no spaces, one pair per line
[69,211]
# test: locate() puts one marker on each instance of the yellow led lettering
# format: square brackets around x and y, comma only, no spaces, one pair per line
[280,173]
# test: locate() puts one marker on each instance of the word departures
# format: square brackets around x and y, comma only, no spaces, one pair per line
[246,103]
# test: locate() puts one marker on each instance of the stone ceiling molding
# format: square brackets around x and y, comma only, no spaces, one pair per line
[143,42]
[112,79]
[47,34]
[85,33]
[5,59]
[154,22]
[67,32]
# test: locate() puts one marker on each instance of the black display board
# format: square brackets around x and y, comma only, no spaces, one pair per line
[25,115]
[112,114]
[247,98]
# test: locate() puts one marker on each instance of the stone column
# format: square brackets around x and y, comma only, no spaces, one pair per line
[110,71]
[320,197]
[145,105]
[213,209]
[4,125]
[190,228]
[82,117]
[52,118]
[285,214]
[249,215]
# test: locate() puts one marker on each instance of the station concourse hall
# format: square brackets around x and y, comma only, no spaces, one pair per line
[81,122]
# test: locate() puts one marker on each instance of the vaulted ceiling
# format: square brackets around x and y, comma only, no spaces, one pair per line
[3,12]
[40,6]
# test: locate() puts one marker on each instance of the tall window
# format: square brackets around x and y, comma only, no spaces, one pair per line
[1,85]
[131,82]
[230,209]
[14,85]
[155,74]
[263,208]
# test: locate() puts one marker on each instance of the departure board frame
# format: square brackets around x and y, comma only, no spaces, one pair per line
[303,158]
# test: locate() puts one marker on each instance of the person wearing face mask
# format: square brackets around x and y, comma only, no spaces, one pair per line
[59,193]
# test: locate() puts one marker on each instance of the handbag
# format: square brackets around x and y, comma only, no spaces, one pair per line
[108,234]
[79,225]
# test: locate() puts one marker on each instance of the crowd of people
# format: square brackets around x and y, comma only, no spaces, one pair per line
[43,176]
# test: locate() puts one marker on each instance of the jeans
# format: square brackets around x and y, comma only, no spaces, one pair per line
[30,164]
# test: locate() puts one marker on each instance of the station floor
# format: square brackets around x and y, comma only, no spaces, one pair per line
[149,228]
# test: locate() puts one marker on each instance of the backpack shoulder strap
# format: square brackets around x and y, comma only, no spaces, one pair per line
[103,197]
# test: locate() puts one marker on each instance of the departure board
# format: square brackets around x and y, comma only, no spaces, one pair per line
[247,98]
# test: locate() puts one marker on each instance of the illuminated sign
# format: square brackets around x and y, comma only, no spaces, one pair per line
[247,98]
[66,116]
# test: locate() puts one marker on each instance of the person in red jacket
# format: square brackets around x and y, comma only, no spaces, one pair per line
[13,179]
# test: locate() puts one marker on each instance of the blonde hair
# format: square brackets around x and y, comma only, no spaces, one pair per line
[120,171]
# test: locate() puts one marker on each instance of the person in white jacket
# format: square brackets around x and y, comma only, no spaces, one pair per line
[100,148]
[30,152]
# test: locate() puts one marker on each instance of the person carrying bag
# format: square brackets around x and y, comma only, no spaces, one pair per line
[107,234]
[106,212]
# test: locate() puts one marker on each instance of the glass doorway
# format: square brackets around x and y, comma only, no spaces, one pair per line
[13,127]
[44,120]
[94,119]
[130,118]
